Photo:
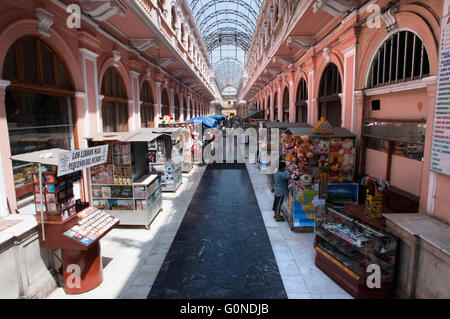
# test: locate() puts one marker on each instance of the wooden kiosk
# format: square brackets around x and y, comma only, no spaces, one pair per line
[75,228]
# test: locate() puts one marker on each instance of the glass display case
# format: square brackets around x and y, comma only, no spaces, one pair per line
[172,174]
[347,249]
[122,186]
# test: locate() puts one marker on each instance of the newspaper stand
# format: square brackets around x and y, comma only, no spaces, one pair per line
[81,254]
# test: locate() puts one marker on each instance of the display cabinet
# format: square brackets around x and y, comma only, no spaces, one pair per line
[123,188]
[172,173]
[349,251]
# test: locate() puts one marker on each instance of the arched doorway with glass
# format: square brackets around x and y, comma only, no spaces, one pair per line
[177,108]
[275,107]
[38,105]
[268,107]
[330,106]
[185,113]
[301,104]
[285,104]
[165,108]
[147,106]
[114,103]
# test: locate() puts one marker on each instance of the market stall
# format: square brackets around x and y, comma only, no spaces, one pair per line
[203,123]
[187,163]
[167,159]
[64,224]
[322,166]
[123,186]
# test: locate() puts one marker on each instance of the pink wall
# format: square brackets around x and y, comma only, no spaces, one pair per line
[406,174]
[376,163]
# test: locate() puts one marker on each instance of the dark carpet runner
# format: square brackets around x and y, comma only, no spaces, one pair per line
[221,249]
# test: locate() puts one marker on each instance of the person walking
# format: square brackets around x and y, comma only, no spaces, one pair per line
[281,189]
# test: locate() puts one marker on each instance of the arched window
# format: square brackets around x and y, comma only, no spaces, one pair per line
[329,99]
[275,107]
[182,33]
[268,107]
[286,105]
[165,108]
[177,108]
[302,102]
[403,57]
[114,103]
[147,106]
[38,105]
[185,114]
[173,17]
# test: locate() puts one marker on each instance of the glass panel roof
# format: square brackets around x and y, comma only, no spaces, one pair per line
[227,28]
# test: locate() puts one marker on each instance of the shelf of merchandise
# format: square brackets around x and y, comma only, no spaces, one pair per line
[172,182]
[143,205]
[346,248]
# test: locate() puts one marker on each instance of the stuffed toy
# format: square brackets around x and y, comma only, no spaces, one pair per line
[289,158]
[348,151]
[335,148]
[323,163]
[347,172]
[304,147]
[334,174]
[288,142]
[323,146]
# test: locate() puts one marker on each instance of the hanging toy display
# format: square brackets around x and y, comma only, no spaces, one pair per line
[374,196]
[322,127]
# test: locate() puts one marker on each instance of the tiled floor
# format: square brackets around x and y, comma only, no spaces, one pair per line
[135,255]
[293,251]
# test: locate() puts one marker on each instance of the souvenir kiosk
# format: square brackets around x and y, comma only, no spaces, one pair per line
[187,163]
[322,168]
[167,160]
[123,186]
[266,147]
[75,228]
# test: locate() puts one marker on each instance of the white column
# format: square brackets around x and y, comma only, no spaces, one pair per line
[91,91]
[188,106]
[136,113]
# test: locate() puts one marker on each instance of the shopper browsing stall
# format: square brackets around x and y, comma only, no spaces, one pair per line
[281,189]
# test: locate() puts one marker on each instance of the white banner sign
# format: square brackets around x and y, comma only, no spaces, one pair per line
[440,148]
[77,160]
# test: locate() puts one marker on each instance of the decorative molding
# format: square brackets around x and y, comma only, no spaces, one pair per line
[165,62]
[88,54]
[102,10]
[100,97]
[4,84]
[45,19]
[147,74]
[285,60]
[144,43]
[134,74]
[401,87]
[336,8]
[116,56]
[389,18]
[304,42]
[80,95]
[326,54]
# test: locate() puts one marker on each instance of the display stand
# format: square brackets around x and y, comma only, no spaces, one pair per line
[346,247]
[62,224]
[123,186]
[331,167]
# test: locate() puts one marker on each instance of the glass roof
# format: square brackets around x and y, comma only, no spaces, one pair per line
[227,28]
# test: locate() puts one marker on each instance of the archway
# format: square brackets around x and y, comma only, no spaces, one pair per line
[275,107]
[176,108]
[185,113]
[114,103]
[301,104]
[330,106]
[285,104]
[147,106]
[165,108]
[41,86]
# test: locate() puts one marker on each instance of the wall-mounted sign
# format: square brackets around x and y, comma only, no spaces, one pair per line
[77,160]
[440,147]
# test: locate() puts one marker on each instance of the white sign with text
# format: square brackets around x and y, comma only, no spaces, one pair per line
[77,160]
